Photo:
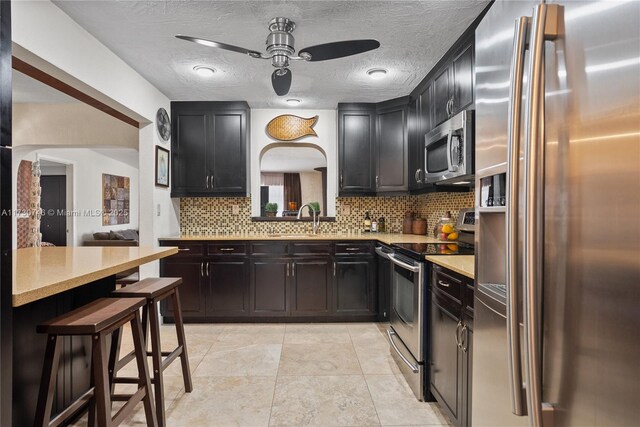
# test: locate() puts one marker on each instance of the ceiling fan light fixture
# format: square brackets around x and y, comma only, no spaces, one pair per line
[377,73]
[203,71]
[293,102]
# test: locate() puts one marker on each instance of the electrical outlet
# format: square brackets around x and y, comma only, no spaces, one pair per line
[158,210]
[345,209]
[235,209]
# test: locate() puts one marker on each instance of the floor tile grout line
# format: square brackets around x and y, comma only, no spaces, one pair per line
[363,378]
[275,382]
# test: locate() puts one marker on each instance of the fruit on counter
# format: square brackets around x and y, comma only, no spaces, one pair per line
[444,236]
[447,229]
[452,246]
[452,236]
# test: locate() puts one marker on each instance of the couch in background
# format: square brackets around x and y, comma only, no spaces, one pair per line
[118,238]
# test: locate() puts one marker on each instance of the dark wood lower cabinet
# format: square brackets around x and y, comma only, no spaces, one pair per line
[311,287]
[193,295]
[296,281]
[354,290]
[228,283]
[452,344]
[269,287]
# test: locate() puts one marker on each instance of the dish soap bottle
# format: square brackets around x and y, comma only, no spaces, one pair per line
[367,222]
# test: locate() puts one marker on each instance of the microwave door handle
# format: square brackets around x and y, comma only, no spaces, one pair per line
[412,268]
[451,167]
[518,405]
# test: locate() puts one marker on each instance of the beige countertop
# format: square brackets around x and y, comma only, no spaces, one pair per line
[41,272]
[387,238]
[463,264]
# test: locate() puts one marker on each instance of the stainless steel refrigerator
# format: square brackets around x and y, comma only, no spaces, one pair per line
[557,313]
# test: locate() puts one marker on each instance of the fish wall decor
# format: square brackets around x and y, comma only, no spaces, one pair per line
[288,127]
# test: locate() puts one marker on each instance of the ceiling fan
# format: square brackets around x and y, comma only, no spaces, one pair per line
[280,49]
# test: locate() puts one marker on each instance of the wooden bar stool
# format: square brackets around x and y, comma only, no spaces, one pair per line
[155,290]
[97,319]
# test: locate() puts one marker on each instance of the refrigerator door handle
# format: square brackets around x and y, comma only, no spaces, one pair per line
[518,405]
[544,26]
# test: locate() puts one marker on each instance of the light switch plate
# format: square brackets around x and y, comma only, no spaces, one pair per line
[345,209]
[235,209]
[158,210]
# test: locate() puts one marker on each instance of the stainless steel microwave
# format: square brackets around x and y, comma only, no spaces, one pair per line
[448,151]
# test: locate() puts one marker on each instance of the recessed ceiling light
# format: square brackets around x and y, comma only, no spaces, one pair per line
[377,73]
[461,182]
[293,101]
[204,71]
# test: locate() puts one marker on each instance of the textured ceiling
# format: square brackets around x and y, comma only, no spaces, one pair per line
[413,35]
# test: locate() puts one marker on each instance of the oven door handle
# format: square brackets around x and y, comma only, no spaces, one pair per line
[396,261]
[382,253]
[413,368]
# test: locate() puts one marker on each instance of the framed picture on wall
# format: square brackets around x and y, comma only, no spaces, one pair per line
[162,167]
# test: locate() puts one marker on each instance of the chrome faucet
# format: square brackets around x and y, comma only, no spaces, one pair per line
[316,218]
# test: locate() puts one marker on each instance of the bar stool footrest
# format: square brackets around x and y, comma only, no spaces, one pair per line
[171,356]
[70,410]
[132,400]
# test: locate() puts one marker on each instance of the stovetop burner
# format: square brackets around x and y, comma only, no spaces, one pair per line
[420,250]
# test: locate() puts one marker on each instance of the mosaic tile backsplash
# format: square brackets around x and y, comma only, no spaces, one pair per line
[211,216]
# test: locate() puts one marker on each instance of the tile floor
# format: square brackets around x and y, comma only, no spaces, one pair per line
[287,375]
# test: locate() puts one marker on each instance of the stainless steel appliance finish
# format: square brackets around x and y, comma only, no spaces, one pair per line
[407,320]
[558,267]
[448,150]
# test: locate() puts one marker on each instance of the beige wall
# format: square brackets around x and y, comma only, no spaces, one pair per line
[71,124]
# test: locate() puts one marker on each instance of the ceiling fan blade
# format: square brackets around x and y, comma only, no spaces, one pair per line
[219,45]
[323,52]
[281,83]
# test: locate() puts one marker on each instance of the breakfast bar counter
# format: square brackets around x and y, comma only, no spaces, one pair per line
[39,273]
[49,282]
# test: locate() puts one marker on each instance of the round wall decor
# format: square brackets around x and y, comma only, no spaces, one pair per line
[163,124]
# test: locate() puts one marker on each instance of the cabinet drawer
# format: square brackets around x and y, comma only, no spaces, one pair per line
[311,248]
[446,284]
[353,248]
[232,248]
[269,248]
[186,249]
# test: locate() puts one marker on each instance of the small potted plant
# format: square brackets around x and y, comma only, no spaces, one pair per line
[271,209]
[316,207]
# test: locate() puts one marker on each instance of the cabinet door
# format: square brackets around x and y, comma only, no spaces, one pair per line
[413,125]
[467,376]
[356,137]
[228,281]
[311,286]
[446,358]
[192,291]
[441,96]
[269,286]
[392,146]
[189,169]
[227,155]
[463,80]
[354,290]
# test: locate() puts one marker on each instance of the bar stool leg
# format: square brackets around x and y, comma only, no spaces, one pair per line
[143,370]
[156,356]
[184,357]
[49,374]
[114,354]
[101,378]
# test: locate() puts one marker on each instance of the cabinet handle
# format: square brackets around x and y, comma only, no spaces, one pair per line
[202,269]
[377,181]
[352,249]
[458,333]
[341,181]
[287,269]
[184,249]
[227,249]
[463,339]
[211,181]
[207,268]
[207,181]
[334,268]
[443,284]
[293,270]
[418,175]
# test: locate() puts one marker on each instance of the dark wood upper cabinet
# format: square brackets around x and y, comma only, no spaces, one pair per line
[356,149]
[209,148]
[442,94]
[392,144]
[463,79]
